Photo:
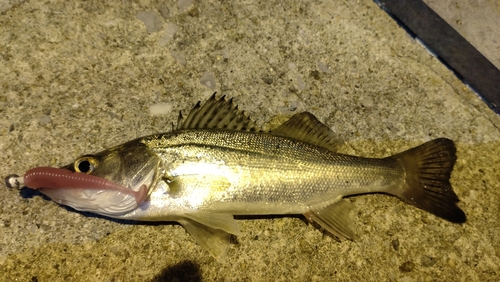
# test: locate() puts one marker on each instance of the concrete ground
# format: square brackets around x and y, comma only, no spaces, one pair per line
[478,21]
[77,77]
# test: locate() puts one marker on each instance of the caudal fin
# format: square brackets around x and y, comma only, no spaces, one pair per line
[428,168]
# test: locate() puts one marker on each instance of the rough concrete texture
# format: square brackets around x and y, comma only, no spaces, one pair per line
[477,21]
[77,77]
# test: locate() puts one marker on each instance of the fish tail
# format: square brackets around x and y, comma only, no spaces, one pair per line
[427,186]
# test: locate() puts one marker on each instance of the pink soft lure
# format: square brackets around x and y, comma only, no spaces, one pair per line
[83,192]
[57,178]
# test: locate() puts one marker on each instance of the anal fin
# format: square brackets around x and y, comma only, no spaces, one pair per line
[335,218]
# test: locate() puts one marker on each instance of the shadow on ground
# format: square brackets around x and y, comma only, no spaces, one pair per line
[183,271]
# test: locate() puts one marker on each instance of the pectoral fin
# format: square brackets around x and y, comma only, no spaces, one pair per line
[335,218]
[211,231]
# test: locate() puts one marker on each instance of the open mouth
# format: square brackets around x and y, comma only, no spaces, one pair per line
[86,192]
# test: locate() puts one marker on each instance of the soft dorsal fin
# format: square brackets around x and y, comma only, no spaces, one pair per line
[216,114]
[307,128]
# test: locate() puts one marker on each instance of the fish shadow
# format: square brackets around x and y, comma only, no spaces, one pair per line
[28,193]
[182,271]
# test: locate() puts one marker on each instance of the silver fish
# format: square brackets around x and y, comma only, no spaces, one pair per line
[217,163]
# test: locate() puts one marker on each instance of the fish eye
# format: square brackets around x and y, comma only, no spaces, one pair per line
[85,164]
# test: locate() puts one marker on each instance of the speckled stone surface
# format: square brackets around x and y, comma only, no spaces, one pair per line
[77,77]
[475,20]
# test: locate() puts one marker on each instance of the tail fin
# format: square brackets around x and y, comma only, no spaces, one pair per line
[428,168]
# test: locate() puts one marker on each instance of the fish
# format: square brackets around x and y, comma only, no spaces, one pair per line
[216,163]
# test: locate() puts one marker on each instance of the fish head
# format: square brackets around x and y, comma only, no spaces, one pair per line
[130,166]
[112,183]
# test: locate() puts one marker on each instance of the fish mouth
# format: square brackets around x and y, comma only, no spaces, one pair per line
[85,192]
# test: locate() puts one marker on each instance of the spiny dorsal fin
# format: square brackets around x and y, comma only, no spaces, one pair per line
[216,114]
[307,128]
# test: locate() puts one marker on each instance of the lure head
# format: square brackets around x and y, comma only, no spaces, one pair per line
[111,183]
